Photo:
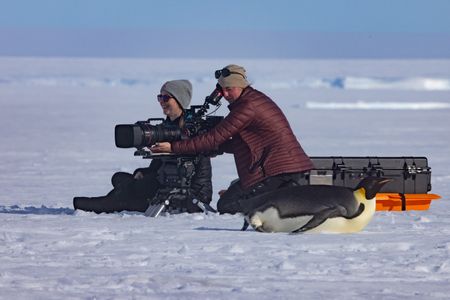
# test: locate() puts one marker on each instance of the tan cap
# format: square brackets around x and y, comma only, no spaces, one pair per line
[236,78]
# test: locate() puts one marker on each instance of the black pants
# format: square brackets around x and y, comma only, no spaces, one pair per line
[234,200]
[133,195]
[136,194]
[143,189]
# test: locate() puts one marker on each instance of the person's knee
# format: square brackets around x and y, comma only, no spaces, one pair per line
[229,201]
[121,178]
[228,206]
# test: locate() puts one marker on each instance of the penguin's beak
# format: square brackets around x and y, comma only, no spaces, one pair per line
[385,180]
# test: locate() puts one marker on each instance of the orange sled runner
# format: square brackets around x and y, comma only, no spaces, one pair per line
[408,190]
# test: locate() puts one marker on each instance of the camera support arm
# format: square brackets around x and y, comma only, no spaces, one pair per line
[175,176]
[161,205]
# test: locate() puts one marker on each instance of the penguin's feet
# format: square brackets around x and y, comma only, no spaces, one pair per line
[245,225]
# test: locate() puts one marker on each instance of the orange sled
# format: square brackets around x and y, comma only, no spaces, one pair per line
[402,202]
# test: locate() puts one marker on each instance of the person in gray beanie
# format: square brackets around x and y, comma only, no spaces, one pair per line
[181,90]
[133,192]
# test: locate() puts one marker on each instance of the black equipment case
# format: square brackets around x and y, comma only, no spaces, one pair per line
[411,175]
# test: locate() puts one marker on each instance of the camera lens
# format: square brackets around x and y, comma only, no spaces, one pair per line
[144,134]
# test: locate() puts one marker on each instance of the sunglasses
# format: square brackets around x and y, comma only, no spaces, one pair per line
[225,73]
[164,98]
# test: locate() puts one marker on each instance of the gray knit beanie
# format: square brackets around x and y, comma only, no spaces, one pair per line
[181,90]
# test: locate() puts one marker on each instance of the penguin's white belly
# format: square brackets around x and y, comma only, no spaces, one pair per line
[340,225]
[344,225]
[269,221]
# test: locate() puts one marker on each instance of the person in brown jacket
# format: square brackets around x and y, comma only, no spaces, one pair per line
[267,154]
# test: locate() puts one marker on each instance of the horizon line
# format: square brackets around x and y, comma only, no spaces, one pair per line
[205,44]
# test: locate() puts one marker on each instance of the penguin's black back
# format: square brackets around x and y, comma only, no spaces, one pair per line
[304,200]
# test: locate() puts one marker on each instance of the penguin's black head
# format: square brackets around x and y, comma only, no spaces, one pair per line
[372,185]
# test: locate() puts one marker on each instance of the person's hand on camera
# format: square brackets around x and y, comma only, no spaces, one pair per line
[164,147]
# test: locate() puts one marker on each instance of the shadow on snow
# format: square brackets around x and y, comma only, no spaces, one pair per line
[216,229]
[31,210]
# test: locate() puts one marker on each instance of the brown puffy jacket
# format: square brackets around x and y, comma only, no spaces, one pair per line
[258,134]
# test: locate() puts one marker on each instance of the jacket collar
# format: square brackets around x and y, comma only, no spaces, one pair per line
[245,91]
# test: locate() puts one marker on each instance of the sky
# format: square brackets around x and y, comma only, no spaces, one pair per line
[233,28]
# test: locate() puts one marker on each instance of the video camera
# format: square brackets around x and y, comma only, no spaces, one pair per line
[176,171]
[144,133]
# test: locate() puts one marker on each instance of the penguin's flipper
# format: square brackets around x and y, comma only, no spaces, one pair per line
[359,211]
[245,225]
[321,217]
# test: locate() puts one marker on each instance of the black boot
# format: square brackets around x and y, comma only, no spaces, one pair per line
[115,201]
[105,204]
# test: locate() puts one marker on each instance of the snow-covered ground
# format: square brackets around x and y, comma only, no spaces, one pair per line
[57,118]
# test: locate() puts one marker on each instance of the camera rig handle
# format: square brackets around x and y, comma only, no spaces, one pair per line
[149,120]
[213,99]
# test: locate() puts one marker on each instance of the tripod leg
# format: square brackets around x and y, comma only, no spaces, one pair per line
[154,210]
[206,208]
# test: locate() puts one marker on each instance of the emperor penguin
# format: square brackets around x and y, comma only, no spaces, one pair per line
[315,208]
